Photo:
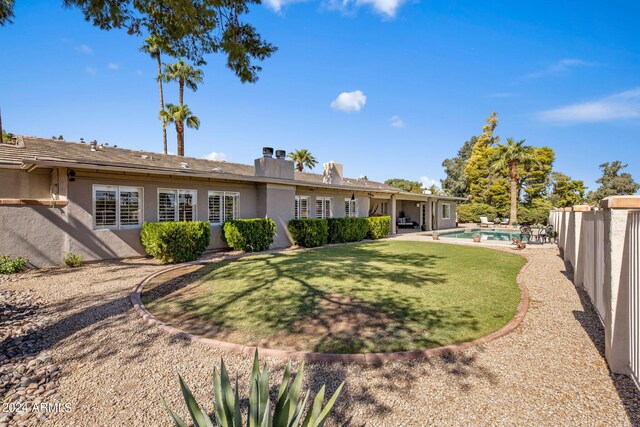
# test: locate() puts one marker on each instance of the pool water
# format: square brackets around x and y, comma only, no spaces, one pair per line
[486,235]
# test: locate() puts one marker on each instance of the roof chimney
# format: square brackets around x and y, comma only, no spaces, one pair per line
[332,173]
[278,168]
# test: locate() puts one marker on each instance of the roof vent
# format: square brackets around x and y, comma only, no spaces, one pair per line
[281,154]
[184,165]
[217,170]
[267,151]
[144,156]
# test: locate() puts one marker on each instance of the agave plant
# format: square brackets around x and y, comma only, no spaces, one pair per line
[287,412]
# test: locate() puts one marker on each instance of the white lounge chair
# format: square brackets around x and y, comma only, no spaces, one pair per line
[484,222]
[505,221]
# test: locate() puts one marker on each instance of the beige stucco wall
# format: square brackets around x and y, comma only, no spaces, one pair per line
[277,203]
[20,184]
[446,223]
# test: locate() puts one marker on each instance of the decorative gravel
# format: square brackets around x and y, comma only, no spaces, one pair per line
[550,371]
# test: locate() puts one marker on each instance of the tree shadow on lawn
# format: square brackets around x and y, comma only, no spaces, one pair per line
[329,317]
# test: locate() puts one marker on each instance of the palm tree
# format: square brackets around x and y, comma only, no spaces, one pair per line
[512,156]
[184,74]
[180,115]
[303,158]
[153,45]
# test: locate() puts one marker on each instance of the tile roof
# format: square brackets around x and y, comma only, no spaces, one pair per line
[50,151]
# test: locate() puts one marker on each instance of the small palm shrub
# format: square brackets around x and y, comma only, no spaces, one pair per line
[10,265]
[249,235]
[175,241]
[309,233]
[287,411]
[72,260]
[379,227]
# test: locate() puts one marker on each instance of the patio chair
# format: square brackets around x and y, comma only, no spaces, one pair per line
[505,221]
[525,232]
[484,222]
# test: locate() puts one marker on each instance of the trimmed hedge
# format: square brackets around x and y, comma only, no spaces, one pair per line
[310,232]
[249,235]
[342,230]
[471,212]
[533,215]
[174,242]
[379,227]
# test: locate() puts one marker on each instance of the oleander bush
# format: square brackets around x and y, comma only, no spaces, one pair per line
[471,212]
[309,232]
[379,227]
[342,230]
[287,411]
[249,235]
[10,265]
[73,260]
[174,242]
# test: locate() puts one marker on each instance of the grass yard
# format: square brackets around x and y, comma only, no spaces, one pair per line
[367,297]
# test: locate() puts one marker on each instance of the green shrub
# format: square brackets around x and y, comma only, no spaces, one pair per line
[249,235]
[533,215]
[72,260]
[309,233]
[175,241]
[287,410]
[379,227]
[471,212]
[10,265]
[343,230]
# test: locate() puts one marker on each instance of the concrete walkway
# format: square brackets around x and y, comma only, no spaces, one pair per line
[550,371]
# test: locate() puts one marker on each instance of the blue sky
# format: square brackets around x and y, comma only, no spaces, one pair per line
[417,79]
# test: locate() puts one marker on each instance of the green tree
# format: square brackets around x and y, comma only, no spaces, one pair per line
[405,184]
[303,158]
[154,46]
[6,12]
[455,184]
[613,183]
[484,184]
[536,180]
[185,75]
[565,191]
[191,28]
[180,115]
[513,156]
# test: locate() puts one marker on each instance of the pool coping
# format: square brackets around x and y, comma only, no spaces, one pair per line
[360,358]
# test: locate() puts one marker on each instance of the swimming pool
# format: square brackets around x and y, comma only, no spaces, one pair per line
[486,235]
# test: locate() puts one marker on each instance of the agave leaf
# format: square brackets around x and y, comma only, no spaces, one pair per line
[256,366]
[217,399]
[227,394]
[237,420]
[254,398]
[312,414]
[295,422]
[266,420]
[278,418]
[176,419]
[200,419]
[325,412]
[285,380]
[264,390]
[294,391]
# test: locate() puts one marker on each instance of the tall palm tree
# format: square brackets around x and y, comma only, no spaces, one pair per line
[303,158]
[512,156]
[180,115]
[153,45]
[185,75]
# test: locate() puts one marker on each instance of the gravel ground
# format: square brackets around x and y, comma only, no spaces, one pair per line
[550,371]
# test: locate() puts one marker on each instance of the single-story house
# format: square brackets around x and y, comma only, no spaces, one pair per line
[91,199]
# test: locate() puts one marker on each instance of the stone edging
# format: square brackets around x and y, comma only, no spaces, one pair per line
[361,358]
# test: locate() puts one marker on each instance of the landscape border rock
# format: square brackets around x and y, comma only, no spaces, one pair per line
[361,358]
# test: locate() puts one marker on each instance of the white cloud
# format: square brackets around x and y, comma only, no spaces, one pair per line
[91,70]
[558,68]
[619,106]
[83,48]
[427,182]
[277,5]
[221,157]
[396,122]
[349,101]
[113,66]
[387,8]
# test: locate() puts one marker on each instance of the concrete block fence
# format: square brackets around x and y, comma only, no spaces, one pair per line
[602,245]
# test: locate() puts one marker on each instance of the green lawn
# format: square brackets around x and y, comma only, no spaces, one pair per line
[368,297]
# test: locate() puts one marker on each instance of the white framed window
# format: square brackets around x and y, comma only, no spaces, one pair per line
[223,206]
[323,207]
[177,205]
[301,208]
[350,208]
[384,210]
[117,207]
[446,211]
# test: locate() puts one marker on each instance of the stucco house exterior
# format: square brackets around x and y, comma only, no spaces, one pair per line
[58,197]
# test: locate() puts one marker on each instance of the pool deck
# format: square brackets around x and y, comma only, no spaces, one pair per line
[420,236]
